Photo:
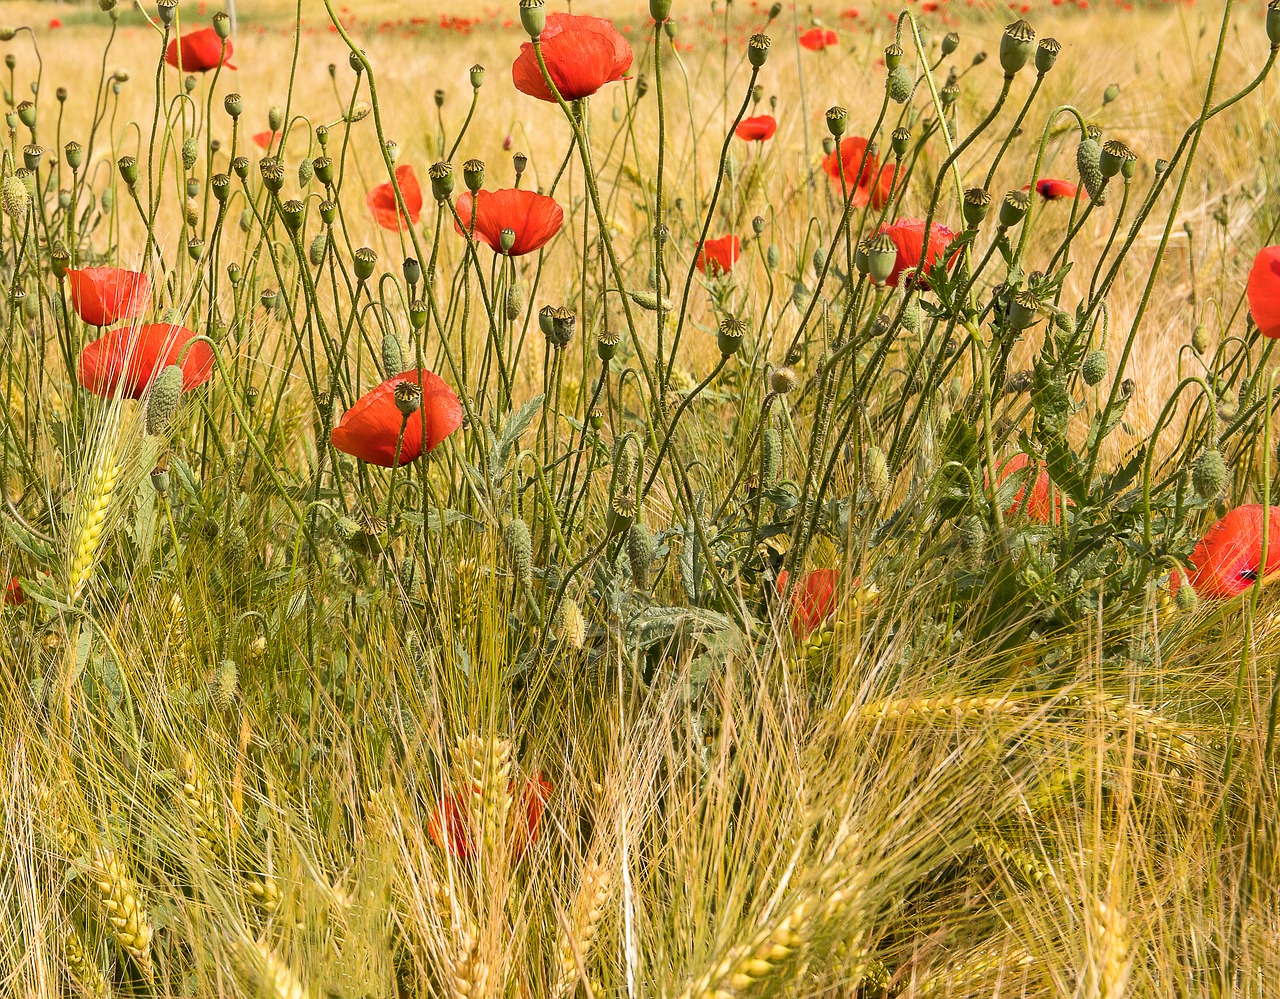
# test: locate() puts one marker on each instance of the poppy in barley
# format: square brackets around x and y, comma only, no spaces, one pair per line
[198,52]
[1264,291]
[812,601]
[908,237]
[1228,559]
[382,201]
[872,185]
[450,824]
[370,429]
[13,594]
[129,359]
[582,54]
[817,39]
[1032,501]
[1052,189]
[263,140]
[719,255]
[533,217]
[757,129]
[102,296]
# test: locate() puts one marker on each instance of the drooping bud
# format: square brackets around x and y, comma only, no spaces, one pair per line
[519,545]
[1200,339]
[1094,368]
[315,253]
[514,303]
[1015,46]
[1186,598]
[770,455]
[1111,93]
[900,85]
[1210,474]
[392,354]
[1273,23]
[1088,160]
[640,553]
[166,390]
[876,473]
[275,117]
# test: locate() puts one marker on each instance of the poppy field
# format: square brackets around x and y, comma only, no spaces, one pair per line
[703,502]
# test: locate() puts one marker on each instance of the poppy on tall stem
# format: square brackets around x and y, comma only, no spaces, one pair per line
[263,140]
[129,359]
[1263,291]
[909,239]
[198,52]
[817,39]
[581,53]
[1032,499]
[718,256]
[534,218]
[813,600]
[382,201]
[1228,559]
[374,428]
[864,178]
[757,129]
[102,296]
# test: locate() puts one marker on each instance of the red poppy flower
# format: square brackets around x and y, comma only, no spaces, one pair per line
[533,217]
[756,129]
[582,54]
[908,237]
[263,140]
[1264,291]
[1036,503]
[1052,189]
[812,601]
[369,429]
[719,255]
[13,592]
[55,23]
[198,52]
[1228,559]
[382,201]
[103,296]
[129,359]
[817,39]
[450,824]
[874,184]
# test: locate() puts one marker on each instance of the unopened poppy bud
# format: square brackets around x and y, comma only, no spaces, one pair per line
[607,345]
[1014,208]
[195,248]
[1186,598]
[533,17]
[1015,46]
[272,171]
[900,85]
[773,257]
[233,104]
[1094,368]
[1111,93]
[563,323]
[477,76]
[757,94]
[59,259]
[1200,339]
[642,88]
[189,151]
[417,314]
[1210,474]
[275,117]
[166,390]
[669,29]
[882,254]
[1113,156]
[438,96]
[328,211]
[128,170]
[892,56]
[366,259]
[412,270]
[473,175]
[837,120]
[973,540]
[1088,163]
[513,304]
[507,239]
[240,166]
[315,253]
[819,259]
[659,10]
[640,554]
[1047,54]
[757,224]
[306,170]
[166,9]
[73,152]
[519,545]
[1273,23]
[729,336]
[899,142]
[31,156]
[1022,310]
[408,396]
[570,626]
[774,11]
[950,42]
[783,380]
[294,212]
[222,25]
[758,49]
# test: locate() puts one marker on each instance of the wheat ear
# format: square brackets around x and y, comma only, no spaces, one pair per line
[92,520]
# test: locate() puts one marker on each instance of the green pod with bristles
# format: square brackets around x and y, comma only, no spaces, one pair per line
[519,545]
[640,553]
[166,391]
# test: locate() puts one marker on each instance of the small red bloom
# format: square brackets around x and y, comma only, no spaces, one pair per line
[13,592]
[263,140]
[382,201]
[1036,503]
[55,23]
[369,429]
[817,39]
[1228,559]
[874,184]
[450,824]
[582,54]
[198,52]
[908,237]
[533,217]
[1052,189]
[812,601]
[103,296]
[719,255]
[1264,291]
[756,129]
[129,359]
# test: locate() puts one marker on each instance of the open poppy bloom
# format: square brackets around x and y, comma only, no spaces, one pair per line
[450,824]
[874,184]
[1052,189]
[370,429]
[582,54]
[719,255]
[817,39]
[1034,503]
[382,201]
[1263,291]
[908,237]
[1228,559]
[533,217]
[263,140]
[129,359]
[13,594]
[812,601]
[103,296]
[756,129]
[198,52]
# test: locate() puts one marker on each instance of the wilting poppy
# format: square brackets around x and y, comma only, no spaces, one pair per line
[533,217]
[382,201]
[719,255]
[102,296]
[450,824]
[370,429]
[908,237]
[817,39]
[874,184]
[13,592]
[198,52]
[1228,559]
[582,54]
[1052,189]
[812,601]
[1035,504]
[129,359]
[263,140]
[756,129]
[1264,291]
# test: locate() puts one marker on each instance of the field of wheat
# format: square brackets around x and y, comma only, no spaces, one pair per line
[700,501]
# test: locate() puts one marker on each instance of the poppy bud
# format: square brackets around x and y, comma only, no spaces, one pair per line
[519,545]
[160,480]
[233,272]
[31,156]
[195,248]
[473,175]
[1186,598]
[59,259]
[899,141]
[1088,163]
[233,104]
[315,253]
[563,322]
[1210,474]
[950,42]
[128,170]
[241,167]
[607,345]
[758,49]
[1273,23]
[275,117]
[729,335]
[1014,208]
[1015,46]
[323,167]
[819,259]
[783,380]
[1022,310]
[1200,339]
[328,211]
[1047,54]
[640,553]
[1113,157]
[659,10]
[900,85]
[408,395]
[74,154]
[166,390]
[533,17]
[294,213]
[1094,368]
[669,29]
[506,240]
[417,313]
[441,175]
[365,261]
[222,25]
[306,170]
[973,540]
[514,303]
[1111,93]
[770,455]
[757,224]
[837,120]
[477,76]
[166,9]
[272,171]
[773,257]
[412,270]
[892,56]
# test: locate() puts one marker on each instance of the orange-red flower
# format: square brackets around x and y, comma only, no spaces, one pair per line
[198,52]
[719,255]
[382,201]
[908,237]
[103,296]
[1052,189]
[1264,291]
[127,360]
[1034,503]
[533,217]
[582,54]
[370,429]
[263,140]
[817,39]
[1228,559]
[874,184]
[756,129]
[13,592]
[450,824]
[812,601]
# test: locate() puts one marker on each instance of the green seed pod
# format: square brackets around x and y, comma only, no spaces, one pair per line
[392,354]
[876,473]
[514,301]
[1094,368]
[1047,54]
[564,322]
[294,213]
[1111,93]
[233,104]
[1210,474]
[240,167]
[476,75]
[160,480]
[950,42]
[223,684]
[1113,157]
[1022,310]
[166,391]
[32,155]
[1016,46]
[366,259]
[1186,598]
[195,248]
[770,455]
[1014,208]
[607,345]
[900,84]
[222,25]
[473,175]
[1273,23]
[1200,339]
[758,50]
[837,120]
[73,153]
[882,255]
[757,225]
[315,253]
[533,17]
[977,202]
[441,175]
[59,259]
[328,211]
[412,271]
[27,113]
[949,94]
[622,513]
[418,314]
[730,335]
[899,142]
[519,545]
[272,171]
[640,553]
[128,170]
[323,167]
[1088,163]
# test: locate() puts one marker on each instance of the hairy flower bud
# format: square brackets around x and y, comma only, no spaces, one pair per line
[1094,368]
[900,85]
[166,391]
[1210,474]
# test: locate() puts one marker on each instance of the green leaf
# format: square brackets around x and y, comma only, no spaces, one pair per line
[516,424]
[1064,471]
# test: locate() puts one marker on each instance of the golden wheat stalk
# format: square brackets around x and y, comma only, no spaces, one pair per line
[117,896]
[201,809]
[484,771]
[575,939]
[962,977]
[1108,962]
[272,975]
[83,968]
[91,520]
